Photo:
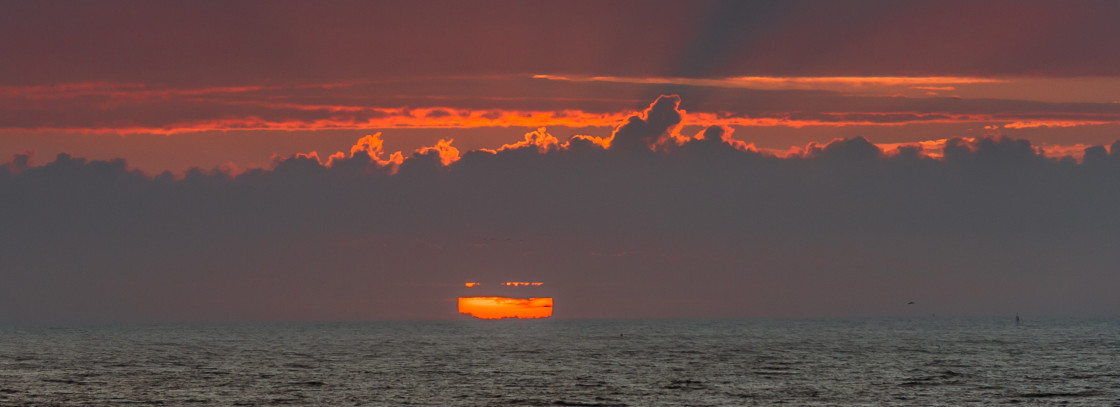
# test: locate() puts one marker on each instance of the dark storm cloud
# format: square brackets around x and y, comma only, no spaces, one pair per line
[696,228]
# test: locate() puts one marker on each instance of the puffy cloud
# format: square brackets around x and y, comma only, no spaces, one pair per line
[368,150]
[540,139]
[443,149]
[654,126]
[19,163]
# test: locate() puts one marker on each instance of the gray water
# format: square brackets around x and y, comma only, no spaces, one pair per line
[928,361]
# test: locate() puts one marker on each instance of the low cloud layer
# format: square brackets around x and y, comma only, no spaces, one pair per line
[158,127]
[647,223]
[474,102]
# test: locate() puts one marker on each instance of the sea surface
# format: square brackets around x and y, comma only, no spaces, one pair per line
[841,362]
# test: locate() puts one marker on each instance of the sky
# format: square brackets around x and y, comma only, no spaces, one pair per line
[186,161]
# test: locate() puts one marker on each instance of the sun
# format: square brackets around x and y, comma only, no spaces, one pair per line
[504,307]
[499,307]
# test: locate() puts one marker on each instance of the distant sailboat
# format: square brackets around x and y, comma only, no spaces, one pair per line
[1016,318]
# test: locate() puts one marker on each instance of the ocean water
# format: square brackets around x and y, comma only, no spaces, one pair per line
[922,361]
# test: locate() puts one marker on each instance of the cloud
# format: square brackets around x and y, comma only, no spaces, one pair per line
[1065,123]
[709,226]
[652,127]
[540,140]
[368,151]
[20,162]
[775,82]
[443,149]
[137,109]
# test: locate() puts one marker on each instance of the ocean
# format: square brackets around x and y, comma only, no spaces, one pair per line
[806,362]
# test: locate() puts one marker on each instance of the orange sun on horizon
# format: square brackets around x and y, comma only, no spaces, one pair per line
[504,307]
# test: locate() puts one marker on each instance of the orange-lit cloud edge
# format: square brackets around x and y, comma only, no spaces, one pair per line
[522,283]
[544,142]
[439,117]
[373,118]
[787,82]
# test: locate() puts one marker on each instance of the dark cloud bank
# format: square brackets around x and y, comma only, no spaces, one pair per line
[703,228]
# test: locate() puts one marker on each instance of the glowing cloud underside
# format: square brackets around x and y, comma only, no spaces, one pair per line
[502,307]
[521,283]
